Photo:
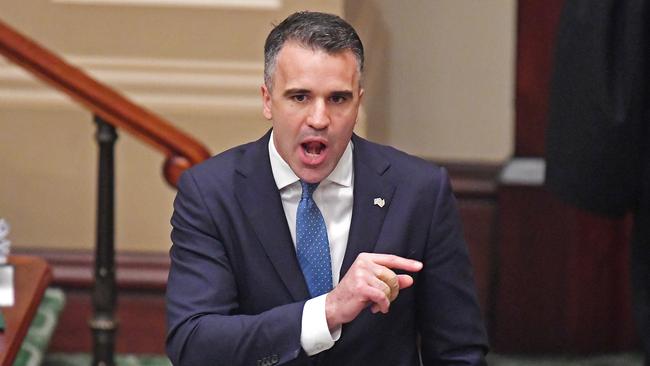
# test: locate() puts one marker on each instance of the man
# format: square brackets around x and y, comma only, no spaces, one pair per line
[312,246]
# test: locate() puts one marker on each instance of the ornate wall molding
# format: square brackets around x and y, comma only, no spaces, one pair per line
[247,4]
[182,86]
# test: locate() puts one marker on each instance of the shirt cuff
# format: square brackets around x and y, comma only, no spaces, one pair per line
[315,336]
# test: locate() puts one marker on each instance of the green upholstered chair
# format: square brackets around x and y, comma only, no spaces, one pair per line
[33,349]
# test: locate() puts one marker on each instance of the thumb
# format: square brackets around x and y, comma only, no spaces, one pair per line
[405,281]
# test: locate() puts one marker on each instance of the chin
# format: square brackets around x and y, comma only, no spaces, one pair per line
[312,176]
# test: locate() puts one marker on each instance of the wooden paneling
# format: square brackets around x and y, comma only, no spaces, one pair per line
[141,282]
[475,187]
[479,219]
[536,24]
[563,283]
[140,316]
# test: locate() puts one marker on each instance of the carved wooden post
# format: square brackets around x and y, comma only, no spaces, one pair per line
[103,323]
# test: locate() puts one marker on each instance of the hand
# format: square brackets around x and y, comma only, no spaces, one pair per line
[369,280]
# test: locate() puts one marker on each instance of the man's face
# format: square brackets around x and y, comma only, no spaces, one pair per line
[313,106]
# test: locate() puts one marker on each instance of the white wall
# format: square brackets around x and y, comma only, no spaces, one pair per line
[440,80]
[439,84]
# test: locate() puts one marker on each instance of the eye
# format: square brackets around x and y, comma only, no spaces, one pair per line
[299,98]
[338,99]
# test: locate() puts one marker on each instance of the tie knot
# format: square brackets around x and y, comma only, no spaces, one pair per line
[308,189]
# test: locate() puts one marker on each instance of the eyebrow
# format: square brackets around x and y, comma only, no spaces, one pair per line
[341,93]
[289,92]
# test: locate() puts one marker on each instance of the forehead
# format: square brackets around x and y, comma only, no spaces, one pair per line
[298,64]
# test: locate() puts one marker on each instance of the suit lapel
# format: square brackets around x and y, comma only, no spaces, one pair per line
[370,182]
[260,200]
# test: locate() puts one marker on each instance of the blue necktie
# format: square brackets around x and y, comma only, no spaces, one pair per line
[312,246]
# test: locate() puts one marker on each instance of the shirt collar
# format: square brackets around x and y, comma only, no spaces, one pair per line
[284,176]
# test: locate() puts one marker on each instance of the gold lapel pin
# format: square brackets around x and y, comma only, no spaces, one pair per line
[379,202]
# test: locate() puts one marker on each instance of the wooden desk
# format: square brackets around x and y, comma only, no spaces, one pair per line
[31,277]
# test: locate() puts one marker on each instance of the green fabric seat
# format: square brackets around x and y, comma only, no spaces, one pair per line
[84,359]
[34,346]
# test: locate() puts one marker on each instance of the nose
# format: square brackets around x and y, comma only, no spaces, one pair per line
[318,118]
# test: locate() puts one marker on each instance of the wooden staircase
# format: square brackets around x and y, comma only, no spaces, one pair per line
[111,112]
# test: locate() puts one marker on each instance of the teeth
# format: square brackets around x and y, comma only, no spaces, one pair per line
[313,148]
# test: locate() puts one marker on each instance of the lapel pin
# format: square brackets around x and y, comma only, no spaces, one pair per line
[379,202]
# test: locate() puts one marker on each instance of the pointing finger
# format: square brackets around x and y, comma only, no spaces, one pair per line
[394,261]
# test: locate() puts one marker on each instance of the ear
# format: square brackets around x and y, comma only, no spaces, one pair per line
[266,102]
[359,106]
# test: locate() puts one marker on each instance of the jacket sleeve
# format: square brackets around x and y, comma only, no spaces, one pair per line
[204,326]
[449,318]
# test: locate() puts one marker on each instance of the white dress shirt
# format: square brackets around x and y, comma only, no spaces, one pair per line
[334,199]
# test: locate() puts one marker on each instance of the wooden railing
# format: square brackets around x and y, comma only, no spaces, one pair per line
[110,110]
[181,150]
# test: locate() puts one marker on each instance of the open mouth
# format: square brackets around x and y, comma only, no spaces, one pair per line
[314,152]
[313,148]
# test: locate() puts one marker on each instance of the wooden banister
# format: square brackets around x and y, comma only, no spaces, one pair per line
[181,150]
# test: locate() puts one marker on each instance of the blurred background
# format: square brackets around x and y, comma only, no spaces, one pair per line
[462,83]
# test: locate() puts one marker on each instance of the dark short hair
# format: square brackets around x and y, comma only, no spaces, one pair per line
[319,31]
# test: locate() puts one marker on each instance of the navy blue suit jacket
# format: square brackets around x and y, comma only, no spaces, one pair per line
[236,292]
